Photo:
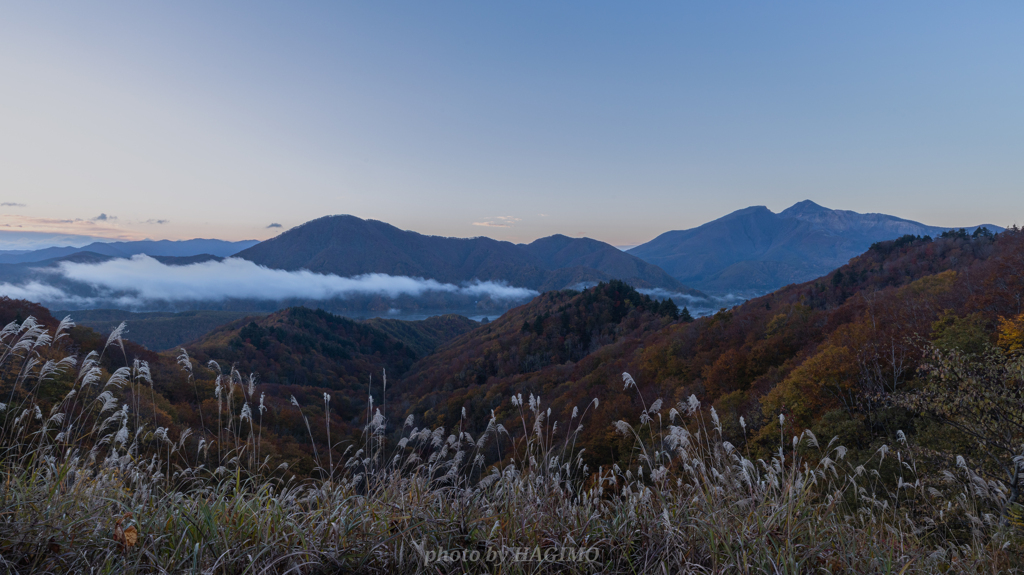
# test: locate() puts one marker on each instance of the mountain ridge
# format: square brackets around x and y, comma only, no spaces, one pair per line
[348,246]
[154,248]
[756,250]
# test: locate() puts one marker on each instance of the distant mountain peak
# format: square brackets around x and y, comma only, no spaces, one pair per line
[757,250]
[752,211]
[804,207]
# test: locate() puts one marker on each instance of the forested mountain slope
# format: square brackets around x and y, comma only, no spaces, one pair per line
[820,352]
[262,362]
[157,331]
[538,344]
[304,352]
[424,336]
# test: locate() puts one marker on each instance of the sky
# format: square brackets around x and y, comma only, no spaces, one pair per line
[617,121]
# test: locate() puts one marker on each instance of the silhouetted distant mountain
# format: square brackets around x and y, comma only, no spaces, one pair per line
[26,271]
[756,250]
[349,246]
[180,249]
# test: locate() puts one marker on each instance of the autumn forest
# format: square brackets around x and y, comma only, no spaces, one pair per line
[909,357]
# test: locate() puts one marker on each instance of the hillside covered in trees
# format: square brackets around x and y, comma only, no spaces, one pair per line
[787,404]
[825,354]
[269,360]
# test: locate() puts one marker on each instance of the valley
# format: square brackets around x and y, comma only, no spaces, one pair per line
[531,288]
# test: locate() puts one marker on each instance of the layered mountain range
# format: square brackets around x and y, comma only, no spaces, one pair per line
[350,246]
[162,248]
[745,253]
[755,250]
[360,266]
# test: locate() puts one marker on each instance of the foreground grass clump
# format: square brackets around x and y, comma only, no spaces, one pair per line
[90,486]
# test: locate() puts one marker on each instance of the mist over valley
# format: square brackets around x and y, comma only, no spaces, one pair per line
[366,268]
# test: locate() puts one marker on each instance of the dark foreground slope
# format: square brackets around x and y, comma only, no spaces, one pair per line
[349,246]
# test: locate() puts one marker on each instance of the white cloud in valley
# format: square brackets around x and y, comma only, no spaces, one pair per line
[37,292]
[142,278]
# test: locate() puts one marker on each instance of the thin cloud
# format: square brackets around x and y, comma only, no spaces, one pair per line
[498,222]
[97,229]
[103,218]
[274,225]
[156,221]
[12,205]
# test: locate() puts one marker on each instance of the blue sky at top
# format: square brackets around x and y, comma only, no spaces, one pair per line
[618,121]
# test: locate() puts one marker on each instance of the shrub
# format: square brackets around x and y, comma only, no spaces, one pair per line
[91,486]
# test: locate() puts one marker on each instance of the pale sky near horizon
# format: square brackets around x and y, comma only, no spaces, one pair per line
[618,121]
